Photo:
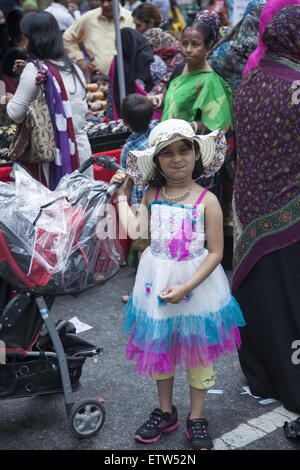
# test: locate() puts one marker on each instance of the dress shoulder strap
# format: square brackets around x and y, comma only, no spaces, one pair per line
[200,197]
[157,193]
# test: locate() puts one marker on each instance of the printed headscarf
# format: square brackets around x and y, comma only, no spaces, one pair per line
[282,34]
[158,38]
[268,12]
[212,19]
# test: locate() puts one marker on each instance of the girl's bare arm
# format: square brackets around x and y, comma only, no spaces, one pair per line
[134,224]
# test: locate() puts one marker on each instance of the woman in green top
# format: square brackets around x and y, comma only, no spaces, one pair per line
[200,96]
[197,93]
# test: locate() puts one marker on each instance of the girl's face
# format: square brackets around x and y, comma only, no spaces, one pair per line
[103,86]
[177,161]
[193,48]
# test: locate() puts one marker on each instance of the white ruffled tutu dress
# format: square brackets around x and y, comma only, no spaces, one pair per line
[204,325]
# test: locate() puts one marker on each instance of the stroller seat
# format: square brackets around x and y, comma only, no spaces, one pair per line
[48,246]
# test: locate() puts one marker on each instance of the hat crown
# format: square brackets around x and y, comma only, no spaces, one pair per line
[167,130]
[140,164]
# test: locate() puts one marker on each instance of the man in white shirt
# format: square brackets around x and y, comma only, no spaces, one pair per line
[96,31]
[65,13]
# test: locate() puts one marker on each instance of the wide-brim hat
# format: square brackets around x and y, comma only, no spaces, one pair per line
[140,165]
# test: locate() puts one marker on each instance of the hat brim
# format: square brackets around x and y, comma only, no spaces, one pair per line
[140,164]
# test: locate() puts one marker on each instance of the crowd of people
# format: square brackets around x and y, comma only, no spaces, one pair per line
[214,149]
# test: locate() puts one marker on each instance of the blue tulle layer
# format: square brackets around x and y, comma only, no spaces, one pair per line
[203,330]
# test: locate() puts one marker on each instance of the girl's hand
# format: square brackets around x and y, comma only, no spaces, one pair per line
[121,178]
[174,294]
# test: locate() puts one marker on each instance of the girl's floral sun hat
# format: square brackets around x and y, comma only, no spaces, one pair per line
[141,167]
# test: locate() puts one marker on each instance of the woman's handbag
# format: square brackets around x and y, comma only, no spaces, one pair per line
[34,140]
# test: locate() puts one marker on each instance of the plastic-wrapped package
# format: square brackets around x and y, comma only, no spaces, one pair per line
[61,241]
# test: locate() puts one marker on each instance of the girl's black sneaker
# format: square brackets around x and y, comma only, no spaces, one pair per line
[156,424]
[196,431]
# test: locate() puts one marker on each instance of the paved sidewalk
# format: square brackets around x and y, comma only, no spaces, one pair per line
[41,423]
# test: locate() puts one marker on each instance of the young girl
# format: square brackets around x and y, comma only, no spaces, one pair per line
[181,311]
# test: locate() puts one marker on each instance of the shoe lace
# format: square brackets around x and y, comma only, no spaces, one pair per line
[153,420]
[199,429]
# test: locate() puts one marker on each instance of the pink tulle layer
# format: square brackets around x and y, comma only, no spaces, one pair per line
[150,363]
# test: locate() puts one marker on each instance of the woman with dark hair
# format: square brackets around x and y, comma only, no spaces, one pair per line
[195,89]
[166,46]
[200,96]
[142,70]
[64,92]
[146,16]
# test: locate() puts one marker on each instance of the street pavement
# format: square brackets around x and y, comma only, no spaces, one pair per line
[237,419]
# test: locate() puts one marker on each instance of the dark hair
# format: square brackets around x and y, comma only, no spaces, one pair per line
[13,21]
[99,76]
[45,40]
[158,180]
[137,111]
[44,36]
[146,12]
[205,30]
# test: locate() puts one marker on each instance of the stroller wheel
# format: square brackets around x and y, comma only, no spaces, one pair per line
[87,418]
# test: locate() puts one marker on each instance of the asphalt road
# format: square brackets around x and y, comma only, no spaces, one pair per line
[237,420]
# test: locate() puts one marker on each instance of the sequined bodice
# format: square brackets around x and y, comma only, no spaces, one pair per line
[177,231]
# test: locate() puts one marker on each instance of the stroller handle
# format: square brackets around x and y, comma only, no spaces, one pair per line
[108,163]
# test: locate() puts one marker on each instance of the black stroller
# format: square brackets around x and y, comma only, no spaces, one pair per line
[50,244]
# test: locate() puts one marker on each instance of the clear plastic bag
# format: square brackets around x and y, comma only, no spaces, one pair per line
[50,240]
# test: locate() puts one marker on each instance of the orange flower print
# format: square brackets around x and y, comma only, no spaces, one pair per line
[285,216]
[266,225]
